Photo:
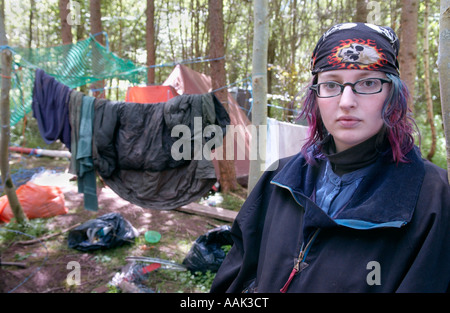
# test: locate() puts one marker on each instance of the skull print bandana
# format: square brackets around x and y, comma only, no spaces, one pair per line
[357,46]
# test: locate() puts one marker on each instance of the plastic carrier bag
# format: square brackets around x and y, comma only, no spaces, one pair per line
[36,201]
[206,253]
[107,231]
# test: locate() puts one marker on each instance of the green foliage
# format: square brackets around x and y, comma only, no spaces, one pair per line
[26,133]
[174,281]
[198,282]
[231,202]
[22,231]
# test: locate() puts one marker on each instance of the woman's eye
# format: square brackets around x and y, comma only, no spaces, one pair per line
[331,85]
[368,83]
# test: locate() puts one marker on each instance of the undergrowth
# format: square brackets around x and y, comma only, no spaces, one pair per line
[27,230]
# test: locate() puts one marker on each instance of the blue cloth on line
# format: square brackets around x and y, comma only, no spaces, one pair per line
[50,105]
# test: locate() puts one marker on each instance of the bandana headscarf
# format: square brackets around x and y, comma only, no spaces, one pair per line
[357,46]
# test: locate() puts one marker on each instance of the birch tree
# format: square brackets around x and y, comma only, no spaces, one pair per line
[408,44]
[259,82]
[444,72]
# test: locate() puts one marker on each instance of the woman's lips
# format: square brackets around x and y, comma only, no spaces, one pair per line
[348,121]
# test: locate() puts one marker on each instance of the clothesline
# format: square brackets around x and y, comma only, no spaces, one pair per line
[33,61]
[78,117]
[248,79]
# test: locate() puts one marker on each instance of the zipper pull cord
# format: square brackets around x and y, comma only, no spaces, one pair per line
[296,269]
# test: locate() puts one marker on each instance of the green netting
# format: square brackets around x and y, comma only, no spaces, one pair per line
[73,65]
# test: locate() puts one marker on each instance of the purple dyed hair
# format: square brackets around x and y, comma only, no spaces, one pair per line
[398,123]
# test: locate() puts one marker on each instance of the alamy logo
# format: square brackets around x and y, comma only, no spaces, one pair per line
[374,16]
[207,142]
[74,17]
[74,276]
[374,276]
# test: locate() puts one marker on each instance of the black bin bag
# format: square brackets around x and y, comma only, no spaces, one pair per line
[107,231]
[206,253]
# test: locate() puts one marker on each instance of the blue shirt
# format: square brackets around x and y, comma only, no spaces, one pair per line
[333,192]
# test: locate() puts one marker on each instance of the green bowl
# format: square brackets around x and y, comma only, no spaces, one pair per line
[152,236]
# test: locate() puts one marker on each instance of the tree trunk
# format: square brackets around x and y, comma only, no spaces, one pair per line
[271,59]
[96,19]
[8,185]
[426,69]
[66,29]
[408,45]
[150,41]
[96,29]
[259,81]
[30,25]
[444,72]
[293,43]
[227,170]
[361,11]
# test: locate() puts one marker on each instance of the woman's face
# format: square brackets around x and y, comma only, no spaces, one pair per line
[351,118]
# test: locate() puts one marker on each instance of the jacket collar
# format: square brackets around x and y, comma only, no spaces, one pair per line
[386,197]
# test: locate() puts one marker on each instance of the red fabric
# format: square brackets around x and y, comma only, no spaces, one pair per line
[150,94]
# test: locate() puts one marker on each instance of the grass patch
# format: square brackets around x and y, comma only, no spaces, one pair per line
[232,202]
[30,229]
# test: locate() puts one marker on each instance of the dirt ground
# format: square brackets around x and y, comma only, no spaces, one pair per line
[46,268]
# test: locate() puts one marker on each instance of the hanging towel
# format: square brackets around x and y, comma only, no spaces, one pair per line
[85,165]
[75,103]
[50,105]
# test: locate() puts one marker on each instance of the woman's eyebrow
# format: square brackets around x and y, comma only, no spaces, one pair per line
[329,77]
[332,76]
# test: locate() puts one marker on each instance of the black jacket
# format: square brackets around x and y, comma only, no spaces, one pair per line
[392,236]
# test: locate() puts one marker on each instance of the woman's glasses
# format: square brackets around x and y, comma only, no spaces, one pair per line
[365,86]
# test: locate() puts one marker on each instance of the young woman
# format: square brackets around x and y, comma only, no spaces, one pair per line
[358,210]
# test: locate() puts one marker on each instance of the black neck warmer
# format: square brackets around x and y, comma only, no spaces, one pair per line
[356,157]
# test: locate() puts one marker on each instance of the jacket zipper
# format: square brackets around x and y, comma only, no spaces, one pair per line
[300,264]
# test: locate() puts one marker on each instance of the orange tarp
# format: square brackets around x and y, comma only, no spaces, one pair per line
[150,94]
[37,202]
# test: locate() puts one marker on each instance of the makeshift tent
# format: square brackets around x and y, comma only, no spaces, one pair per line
[188,81]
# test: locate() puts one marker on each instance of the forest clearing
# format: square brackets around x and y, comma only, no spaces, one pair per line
[100,81]
[43,265]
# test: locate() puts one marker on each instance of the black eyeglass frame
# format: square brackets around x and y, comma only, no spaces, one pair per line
[352,85]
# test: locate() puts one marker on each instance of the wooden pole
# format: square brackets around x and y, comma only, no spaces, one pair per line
[5,123]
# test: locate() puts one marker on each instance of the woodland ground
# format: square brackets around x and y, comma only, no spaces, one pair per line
[48,265]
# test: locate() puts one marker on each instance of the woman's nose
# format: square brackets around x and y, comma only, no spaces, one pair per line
[348,98]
